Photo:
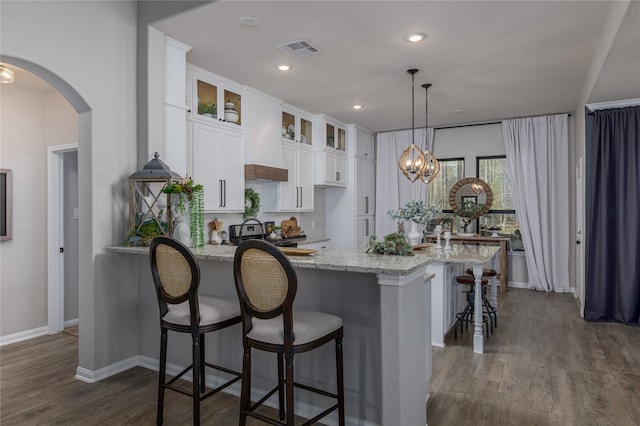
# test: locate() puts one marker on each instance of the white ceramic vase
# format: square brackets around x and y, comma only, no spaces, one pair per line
[414,236]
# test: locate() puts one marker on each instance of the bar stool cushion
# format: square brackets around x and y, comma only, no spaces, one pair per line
[485,272]
[212,310]
[307,327]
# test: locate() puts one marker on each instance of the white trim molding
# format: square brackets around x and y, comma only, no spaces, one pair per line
[55,235]
[23,335]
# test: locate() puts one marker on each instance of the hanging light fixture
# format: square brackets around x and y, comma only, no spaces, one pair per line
[6,75]
[432,165]
[412,161]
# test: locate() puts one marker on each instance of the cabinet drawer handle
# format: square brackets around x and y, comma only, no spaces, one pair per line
[366,204]
[366,232]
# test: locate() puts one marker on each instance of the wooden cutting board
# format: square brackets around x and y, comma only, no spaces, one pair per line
[293,251]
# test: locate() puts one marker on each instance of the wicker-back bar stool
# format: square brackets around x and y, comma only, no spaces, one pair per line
[176,275]
[266,284]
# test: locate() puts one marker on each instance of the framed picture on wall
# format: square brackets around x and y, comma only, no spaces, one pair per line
[6,204]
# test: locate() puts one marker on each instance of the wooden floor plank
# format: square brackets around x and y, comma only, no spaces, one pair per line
[544,365]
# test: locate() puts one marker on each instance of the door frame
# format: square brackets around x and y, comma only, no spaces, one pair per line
[55,235]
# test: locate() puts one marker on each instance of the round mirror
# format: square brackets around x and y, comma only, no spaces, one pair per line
[471,190]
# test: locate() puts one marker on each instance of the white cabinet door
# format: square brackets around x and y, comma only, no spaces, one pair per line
[296,195]
[364,228]
[305,180]
[206,141]
[288,191]
[218,164]
[365,147]
[231,164]
[365,184]
[332,169]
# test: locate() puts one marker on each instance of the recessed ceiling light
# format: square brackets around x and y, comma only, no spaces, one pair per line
[357,107]
[415,37]
[249,21]
[284,67]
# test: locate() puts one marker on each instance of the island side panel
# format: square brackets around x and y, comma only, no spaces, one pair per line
[406,349]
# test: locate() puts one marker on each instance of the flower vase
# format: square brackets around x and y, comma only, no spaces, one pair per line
[415,234]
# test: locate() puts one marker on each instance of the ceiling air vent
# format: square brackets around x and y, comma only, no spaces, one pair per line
[299,48]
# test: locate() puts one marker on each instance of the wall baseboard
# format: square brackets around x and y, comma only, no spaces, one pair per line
[90,376]
[23,335]
[71,323]
[515,284]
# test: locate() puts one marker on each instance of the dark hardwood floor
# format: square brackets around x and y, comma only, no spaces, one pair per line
[543,366]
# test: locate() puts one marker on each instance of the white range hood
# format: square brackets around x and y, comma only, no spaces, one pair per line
[263,152]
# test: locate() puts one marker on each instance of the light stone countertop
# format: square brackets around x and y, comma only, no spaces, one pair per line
[354,260]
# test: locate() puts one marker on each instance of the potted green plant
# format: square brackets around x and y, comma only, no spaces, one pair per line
[209,109]
[392,244]
[468,211]
[418,213]
[189,211]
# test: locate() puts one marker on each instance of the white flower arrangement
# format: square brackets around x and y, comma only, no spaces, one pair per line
[415,211]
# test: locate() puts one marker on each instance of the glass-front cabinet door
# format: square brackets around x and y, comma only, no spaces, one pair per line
[336,137]
[214,98]
[297,126]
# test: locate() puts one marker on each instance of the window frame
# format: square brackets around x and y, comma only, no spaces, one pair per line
[493,157]
[442,160]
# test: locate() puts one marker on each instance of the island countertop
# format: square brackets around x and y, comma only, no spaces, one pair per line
[353,260]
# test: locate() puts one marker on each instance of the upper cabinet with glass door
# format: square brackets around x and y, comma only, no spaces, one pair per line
[330,146]
[297,125]
[214,99]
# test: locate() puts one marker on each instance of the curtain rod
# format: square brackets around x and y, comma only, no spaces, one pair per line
[478,124]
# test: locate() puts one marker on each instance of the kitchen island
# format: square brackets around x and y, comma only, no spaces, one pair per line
[385,303]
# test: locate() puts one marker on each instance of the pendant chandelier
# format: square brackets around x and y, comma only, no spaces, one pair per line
[432,165]
[412,162]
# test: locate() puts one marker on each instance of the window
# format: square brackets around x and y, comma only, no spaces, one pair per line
[493,170]
[451,171]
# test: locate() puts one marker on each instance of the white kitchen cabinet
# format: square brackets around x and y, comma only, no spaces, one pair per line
[364,143]
[330,146]
[351,211]
[218,164]
[297,125]
[365,186]
[214,99]
[331,169]
[295,195]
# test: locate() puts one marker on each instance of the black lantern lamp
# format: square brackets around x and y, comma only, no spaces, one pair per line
[149,213]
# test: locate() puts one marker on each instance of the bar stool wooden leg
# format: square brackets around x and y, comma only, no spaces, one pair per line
[162,374]
[281,386]
[340,381]
[196,379]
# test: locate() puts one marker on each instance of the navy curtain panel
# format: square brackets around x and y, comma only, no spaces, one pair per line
[612,291]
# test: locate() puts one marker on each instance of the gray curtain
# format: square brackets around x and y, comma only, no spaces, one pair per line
[612,290]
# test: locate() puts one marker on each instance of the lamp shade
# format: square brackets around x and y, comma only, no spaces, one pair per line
[155,170]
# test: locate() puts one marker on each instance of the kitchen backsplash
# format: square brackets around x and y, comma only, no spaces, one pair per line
[312,223]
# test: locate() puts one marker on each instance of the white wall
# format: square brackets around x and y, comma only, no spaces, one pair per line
[88,51]
[30,121]
[468,142]
[23,259]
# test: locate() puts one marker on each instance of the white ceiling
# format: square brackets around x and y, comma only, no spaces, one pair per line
[493,60]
